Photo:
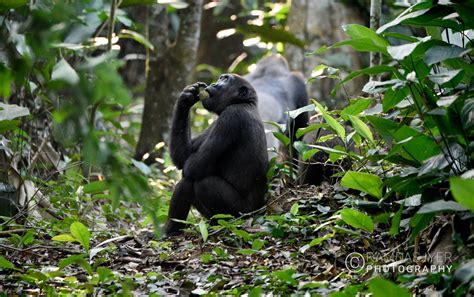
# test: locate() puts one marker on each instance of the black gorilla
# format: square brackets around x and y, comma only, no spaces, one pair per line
[279,90]
[224,168]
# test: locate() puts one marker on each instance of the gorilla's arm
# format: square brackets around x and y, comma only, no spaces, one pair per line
[181,145]
[223,136]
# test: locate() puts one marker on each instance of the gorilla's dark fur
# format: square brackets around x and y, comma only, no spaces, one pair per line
[279,90]
[224,168]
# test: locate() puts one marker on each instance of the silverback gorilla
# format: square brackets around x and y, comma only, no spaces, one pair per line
[279,90]
[224,168]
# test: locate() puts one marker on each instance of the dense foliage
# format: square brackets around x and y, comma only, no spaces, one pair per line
[69,126]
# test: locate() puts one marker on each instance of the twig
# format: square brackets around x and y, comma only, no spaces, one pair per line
[110,31]
[12,231]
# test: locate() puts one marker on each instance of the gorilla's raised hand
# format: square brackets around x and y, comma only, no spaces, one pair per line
[189,95]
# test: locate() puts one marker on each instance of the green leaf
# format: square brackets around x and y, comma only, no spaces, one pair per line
[341,132]
[356,107]
[295,113]
[467,115]
[409,13]
[380,287]
[62,71]
[286,275]
[419,222]
[357,31]
[294,209]
[64,237]
[392,97]
[315,242]
[309,154]
[12,111]
[361,128]
[256,292]
[271,34]
[96,187]
[306,130]
[373,87]
[12,4]
[357,219]
[4,263]
[282,137]
[445,77]
[76,259]
[400,52]
[395,223]
[124,33]
[463,191]
[257,244]
[365,182]
[360,45]
[440,53]
[203,230]
[441,205]
[242,234]
[246,252]
[81,233]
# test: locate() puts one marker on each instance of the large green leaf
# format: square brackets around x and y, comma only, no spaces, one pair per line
[5,264]
[440,53]
[341,132]
[12,111]
[365,182]
[62,71]
[361,45]
[203,230]
[361,128]
[81,233]
[422,14]
[445,77]
[392,97]
[463,191]
[357,219]
[295,113]
[467,115]
[356,31]
[356,107]
[64,238]
[441,205]
[400,52]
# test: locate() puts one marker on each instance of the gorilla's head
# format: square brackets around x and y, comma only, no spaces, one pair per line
[228,90]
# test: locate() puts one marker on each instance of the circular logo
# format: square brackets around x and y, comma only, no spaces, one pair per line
[355,262]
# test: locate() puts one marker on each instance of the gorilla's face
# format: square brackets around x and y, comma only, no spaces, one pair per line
[229,89]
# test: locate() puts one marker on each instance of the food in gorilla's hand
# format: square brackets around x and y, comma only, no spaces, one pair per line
[203,95]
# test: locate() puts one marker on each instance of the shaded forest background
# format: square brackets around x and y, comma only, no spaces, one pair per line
[87,90]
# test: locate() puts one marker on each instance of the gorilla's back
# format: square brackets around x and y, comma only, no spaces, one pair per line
[279,90]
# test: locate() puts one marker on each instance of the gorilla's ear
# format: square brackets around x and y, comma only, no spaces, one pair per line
[243,92]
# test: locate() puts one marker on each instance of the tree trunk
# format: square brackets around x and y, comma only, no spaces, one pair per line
[169,72]
[375,13]
[319,23]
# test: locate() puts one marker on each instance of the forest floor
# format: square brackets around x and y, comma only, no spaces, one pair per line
[298,245]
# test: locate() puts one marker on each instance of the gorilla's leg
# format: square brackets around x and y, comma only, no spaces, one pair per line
[214,195]
[180,204]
